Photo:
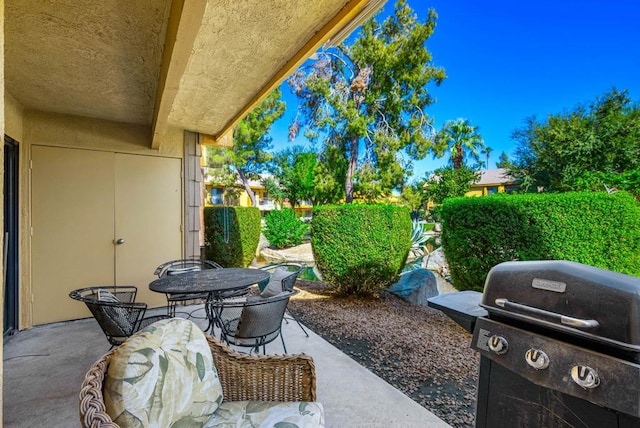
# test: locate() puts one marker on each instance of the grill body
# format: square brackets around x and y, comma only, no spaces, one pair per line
[512,393]
[559,344]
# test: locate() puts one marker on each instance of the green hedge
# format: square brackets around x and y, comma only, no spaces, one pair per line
[282,228]
[360,248]
[232,234]
[596,229]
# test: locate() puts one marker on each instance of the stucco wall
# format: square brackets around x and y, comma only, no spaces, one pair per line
[73,131]
[14,127]
[2,130]
[475,192]
[53,129]
[13,118]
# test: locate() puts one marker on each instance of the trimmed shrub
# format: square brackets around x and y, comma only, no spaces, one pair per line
[282,228]
[596,229]
[232,234]
[360,248]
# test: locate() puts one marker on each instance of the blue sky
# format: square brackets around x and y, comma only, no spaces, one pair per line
[509,60]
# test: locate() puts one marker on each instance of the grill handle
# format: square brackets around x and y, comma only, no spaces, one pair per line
[562,319]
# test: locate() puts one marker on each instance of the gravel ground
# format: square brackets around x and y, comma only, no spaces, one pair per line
[418,350]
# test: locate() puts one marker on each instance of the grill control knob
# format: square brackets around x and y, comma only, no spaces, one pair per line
[585,376]
[537,359]
[498,344]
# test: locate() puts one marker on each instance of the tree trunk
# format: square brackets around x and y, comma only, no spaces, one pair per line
[457,158]
[247,188]
[351,169]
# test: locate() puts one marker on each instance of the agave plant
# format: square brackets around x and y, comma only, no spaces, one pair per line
[418,245]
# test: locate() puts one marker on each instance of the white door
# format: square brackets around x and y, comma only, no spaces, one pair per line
[148,219]
[72,225]
[84,201]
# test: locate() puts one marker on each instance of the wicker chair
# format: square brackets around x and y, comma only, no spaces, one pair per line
[177,267]
[284,282]
[251,322]
[243,377]
[115,309]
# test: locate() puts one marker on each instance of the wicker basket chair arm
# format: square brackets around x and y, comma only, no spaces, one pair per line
[263,378]
[93,413]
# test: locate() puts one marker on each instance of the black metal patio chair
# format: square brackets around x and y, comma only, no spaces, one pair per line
[115,310]
[178,267]
[283,278]
[253,321]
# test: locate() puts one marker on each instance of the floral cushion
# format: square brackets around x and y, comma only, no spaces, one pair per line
[263,414]
[163,376]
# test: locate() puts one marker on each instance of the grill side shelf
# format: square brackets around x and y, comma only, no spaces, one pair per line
[463,307]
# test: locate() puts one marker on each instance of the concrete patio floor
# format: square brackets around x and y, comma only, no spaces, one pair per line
[44,367]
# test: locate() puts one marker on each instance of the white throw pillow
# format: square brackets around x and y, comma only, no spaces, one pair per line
[117,318]
[180,271]
[274,287]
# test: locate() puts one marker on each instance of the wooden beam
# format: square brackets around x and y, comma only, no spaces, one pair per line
[224,141]
[185,20]
[346,15]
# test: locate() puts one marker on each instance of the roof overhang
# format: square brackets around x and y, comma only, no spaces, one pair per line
[198,65]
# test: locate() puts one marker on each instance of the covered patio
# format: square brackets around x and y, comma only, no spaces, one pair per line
[45,366]
[105,107]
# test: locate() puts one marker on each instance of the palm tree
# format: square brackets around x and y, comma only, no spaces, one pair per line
[461,140]
[487,151]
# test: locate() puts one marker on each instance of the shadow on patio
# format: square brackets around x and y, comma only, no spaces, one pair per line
[44,367]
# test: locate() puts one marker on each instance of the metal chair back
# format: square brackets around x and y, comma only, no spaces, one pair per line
[287,283]
[114,308]
[176,267]
[251,322]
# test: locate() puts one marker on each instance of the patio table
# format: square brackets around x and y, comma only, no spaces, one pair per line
[214,282]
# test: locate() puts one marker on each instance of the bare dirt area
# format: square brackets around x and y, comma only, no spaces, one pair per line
[416,349]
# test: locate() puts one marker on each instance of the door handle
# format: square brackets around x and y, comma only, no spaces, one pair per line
[119,241]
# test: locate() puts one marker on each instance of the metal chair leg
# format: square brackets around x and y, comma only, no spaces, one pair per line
[299,324]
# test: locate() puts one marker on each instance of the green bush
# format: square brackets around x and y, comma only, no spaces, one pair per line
[628,181]
[596,229]
[282,228]
[232,234]
[360,248]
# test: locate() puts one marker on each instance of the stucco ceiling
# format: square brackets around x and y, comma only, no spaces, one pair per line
[89,58]
[240,46]
[104,59]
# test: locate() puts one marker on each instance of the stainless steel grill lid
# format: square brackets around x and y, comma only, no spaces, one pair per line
[569,297]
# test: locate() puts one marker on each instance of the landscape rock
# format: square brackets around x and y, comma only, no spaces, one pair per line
[416,286]
[300,253]
[436,261]
[263,243]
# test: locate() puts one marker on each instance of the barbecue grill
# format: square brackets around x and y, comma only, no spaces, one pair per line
[559,345]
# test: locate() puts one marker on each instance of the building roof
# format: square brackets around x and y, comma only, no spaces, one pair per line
[494,176]
[487,177]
